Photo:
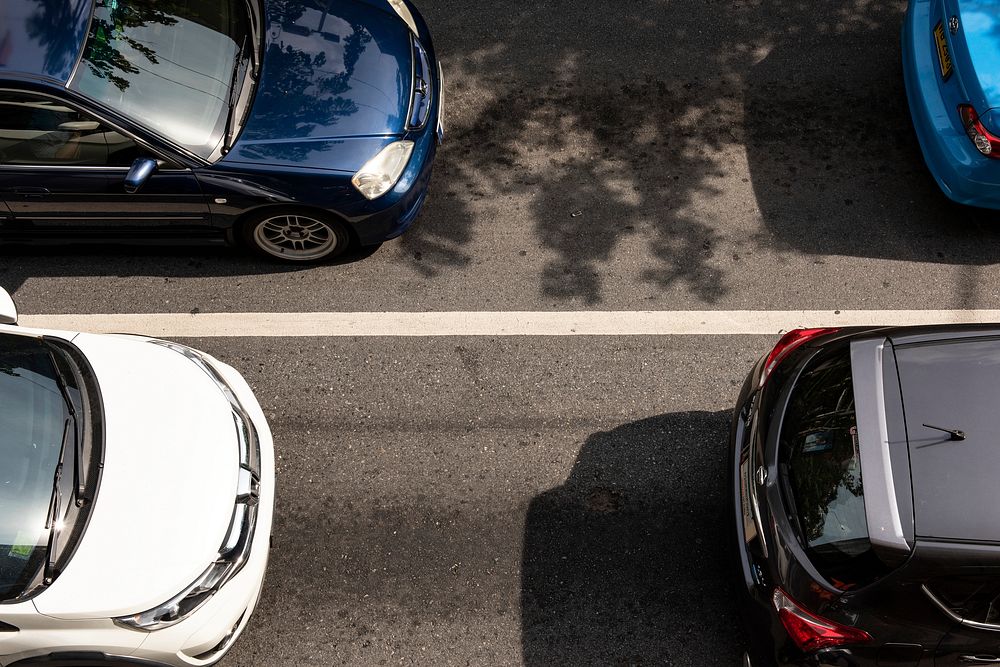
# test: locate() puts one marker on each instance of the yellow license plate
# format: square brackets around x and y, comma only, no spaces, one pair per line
[944,58]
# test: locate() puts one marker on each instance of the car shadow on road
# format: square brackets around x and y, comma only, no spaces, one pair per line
[834,160]
[18,263]
[626,563]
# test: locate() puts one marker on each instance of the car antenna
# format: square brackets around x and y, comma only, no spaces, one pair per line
[954,433]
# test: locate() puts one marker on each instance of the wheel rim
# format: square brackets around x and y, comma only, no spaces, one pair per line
[295,237]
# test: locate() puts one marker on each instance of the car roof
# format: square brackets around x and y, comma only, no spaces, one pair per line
[42,38]
[952,383]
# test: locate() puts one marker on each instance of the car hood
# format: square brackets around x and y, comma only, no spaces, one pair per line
[980,26]
[166,495]
[335,81]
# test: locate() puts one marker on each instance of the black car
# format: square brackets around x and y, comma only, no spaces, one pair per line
[865,479]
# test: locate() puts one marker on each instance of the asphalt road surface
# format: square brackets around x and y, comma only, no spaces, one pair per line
[493,501]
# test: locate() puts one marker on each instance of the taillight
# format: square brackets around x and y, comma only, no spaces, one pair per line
[786,344]
[985,141]
[811,632]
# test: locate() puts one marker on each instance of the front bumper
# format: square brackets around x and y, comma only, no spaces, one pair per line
[398,209]
[962,173]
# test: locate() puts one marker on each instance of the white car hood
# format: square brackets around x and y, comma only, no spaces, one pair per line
[169,484]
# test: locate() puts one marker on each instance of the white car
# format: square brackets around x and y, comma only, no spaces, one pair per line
[136,496]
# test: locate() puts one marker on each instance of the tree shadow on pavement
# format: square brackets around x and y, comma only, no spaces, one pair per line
[627,563]
[591,133]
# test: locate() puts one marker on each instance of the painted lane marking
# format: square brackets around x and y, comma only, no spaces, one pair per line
[508,323]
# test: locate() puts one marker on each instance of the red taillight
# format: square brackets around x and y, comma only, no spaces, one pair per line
[811,632]
[786,344]
[985,141]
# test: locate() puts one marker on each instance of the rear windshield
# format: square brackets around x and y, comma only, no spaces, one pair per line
[821,470]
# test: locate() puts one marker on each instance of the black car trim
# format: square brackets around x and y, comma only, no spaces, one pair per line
[955,617]
[885,526]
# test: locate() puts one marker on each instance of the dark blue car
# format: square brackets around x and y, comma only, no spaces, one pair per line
[298,127]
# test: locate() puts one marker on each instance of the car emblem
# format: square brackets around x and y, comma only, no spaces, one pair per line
[953,24]
[422,87]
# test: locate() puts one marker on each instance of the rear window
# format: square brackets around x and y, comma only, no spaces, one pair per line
[821,473]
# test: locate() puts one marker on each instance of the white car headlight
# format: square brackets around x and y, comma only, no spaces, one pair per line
[381,173]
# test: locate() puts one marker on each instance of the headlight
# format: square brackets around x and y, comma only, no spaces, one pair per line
[381,173]
[236,544]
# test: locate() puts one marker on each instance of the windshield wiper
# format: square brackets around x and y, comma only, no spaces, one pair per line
[79,479]
[954,433]
[55,504]
[234,95]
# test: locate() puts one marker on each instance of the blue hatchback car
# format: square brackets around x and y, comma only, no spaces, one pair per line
[951,64]
[296,126]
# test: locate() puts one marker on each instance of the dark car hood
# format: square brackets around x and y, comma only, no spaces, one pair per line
[335,82]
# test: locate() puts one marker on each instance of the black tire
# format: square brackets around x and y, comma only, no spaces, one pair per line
[295,235]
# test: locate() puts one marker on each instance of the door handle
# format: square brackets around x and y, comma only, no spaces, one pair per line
[980,659]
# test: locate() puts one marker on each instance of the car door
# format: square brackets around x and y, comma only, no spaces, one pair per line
[63,169]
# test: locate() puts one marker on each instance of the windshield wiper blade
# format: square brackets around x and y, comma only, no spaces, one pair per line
[234,96]
[79,475]
[954,433]
[55,505]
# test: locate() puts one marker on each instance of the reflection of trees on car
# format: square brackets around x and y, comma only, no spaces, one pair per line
[822,444]
[298,93]
[49,26]
[108,27]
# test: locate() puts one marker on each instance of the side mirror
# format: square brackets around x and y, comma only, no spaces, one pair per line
[8,311]
[141,169]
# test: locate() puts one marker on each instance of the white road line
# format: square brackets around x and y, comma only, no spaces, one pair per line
[572,323]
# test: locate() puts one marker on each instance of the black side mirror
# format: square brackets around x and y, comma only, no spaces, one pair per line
[141,169]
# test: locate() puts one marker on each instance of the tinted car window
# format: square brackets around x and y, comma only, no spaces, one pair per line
[821,469]
[169,64]
[40,131]
[32,418]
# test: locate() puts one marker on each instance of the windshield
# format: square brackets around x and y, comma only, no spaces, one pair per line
[169,64]
[33,413]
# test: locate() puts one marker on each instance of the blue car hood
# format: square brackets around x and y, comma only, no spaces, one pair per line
[980,24]
[334,85]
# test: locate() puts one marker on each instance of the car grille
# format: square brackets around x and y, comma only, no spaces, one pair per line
[422,94]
